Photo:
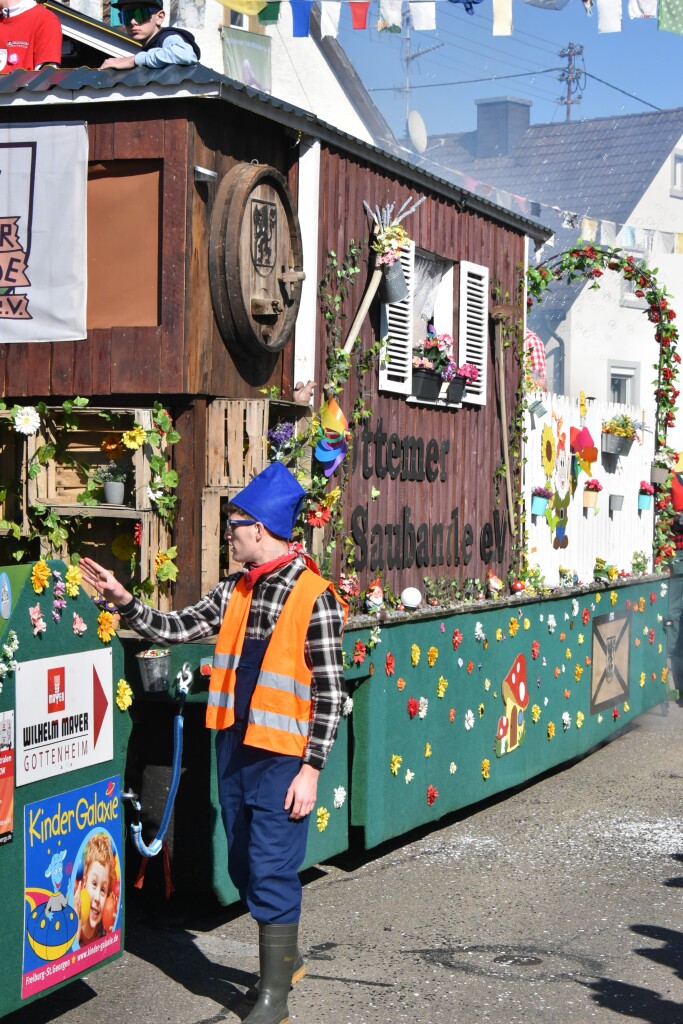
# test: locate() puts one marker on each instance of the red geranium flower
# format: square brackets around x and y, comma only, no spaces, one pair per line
[359,651]
[653,597]
[413,707]
[432,794]
[389,663]
[585,617]
[137,534]
[318,516]
[470,666]
[651,636]
[615,713]
[457,639]
[535,648]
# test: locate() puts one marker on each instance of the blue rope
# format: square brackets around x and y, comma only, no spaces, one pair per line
[184,679]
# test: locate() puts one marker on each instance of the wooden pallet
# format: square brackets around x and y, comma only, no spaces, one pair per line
[237,437]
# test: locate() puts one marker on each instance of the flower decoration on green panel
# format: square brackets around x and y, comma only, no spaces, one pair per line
[40,576]
[409,776]
[73,580]
[414,655]
[413,707]
[579,719]
[432,794]
[432,655]
[428,750]
[551,730]
[457,638]
[441,687]
[485,768]
[339,797]
[323,817]
[395,764]
[79,625]
[124,695]
[589,263]
[389,664]
[37,619]
[423,707]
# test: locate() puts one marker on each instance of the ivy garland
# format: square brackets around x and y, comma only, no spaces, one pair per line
[589,263]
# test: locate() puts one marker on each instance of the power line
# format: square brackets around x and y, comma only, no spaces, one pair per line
[469,81]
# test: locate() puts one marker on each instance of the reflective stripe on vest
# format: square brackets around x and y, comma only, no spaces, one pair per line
[280,709]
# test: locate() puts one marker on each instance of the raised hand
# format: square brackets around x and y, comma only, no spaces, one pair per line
[104,582]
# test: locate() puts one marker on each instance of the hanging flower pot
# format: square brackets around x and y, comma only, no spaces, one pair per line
[658,474]
[538,505]
[426,384]
[644,502]
[616,502]
[614,444]
[456,390]
[393,287]
[537,408]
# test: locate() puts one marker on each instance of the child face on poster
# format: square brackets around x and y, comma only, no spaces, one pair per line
[95,889]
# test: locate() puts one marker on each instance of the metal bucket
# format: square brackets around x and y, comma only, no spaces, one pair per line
[155,669]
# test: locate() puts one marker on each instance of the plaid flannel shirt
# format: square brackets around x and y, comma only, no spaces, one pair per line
[536,349]
[323,640]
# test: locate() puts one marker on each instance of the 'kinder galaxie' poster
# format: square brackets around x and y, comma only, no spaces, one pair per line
[72,883]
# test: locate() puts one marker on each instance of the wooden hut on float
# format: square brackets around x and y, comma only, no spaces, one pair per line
[211,211]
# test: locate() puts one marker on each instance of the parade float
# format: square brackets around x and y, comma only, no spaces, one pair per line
[237,250]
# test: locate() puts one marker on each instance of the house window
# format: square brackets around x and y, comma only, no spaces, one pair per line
[624,382]
[629,288]
[677,175]
[430,281]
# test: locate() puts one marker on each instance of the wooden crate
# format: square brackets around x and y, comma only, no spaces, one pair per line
[59,484]
[237,437]
[213,567]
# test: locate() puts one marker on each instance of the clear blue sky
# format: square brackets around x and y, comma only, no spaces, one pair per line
[639,59]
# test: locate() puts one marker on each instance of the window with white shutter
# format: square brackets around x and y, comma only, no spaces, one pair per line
[473,334]
[396,326]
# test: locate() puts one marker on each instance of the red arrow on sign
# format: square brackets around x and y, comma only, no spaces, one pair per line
[99,702]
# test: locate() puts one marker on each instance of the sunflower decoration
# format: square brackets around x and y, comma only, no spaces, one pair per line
[123,547]
[548,451]
[106,627]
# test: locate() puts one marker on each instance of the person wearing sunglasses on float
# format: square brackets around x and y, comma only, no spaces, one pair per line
[160,46]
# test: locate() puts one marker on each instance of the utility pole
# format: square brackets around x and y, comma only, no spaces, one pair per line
[572,76]
[410,56]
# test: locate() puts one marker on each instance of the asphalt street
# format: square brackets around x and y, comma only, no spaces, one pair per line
[560,902]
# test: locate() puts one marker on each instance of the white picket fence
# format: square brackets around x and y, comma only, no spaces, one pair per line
[589,533]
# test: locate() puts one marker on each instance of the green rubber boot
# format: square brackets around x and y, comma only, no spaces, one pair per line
[277,957]
[251,995]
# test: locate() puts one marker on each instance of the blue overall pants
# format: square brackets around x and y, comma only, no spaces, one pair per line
[265,847]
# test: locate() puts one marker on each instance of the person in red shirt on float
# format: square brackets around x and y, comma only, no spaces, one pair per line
[30,36]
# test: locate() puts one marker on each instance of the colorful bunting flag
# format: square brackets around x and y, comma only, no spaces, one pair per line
[671,16]
[502,17]
[359,13]
[390,17]
[270,13]
[423,16]
[301,16]
[330,10]
[642,8]
[244,6]
[609,15]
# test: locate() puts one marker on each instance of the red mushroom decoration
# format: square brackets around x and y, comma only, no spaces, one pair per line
[516,696]
[517,586]
[501,734]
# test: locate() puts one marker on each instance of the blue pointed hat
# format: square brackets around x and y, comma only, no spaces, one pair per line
[274,498]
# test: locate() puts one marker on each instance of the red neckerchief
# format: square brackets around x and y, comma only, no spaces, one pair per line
[255,572]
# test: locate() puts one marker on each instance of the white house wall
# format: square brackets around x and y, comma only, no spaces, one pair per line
[600,327]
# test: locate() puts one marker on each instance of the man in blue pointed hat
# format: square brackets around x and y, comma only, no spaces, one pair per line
[275,699]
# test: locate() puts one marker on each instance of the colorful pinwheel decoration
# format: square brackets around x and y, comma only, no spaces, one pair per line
[332,444]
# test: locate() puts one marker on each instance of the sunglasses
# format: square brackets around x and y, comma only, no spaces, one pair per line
[232,523]
[137,14]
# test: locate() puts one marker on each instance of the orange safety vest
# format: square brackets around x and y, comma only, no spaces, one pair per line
[280,710]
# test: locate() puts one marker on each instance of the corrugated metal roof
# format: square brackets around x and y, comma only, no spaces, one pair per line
[78,85]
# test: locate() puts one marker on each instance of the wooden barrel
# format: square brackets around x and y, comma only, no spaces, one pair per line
[255,260]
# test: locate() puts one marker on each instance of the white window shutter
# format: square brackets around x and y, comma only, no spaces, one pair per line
[396,325]
[473,334]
